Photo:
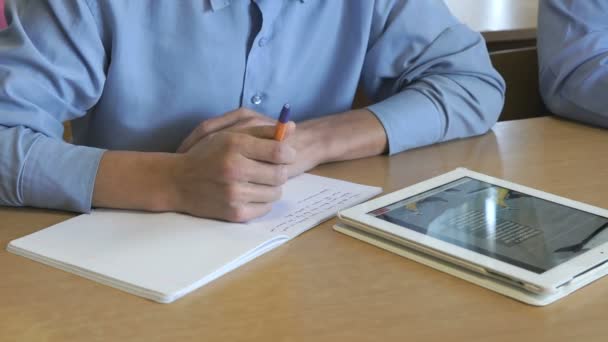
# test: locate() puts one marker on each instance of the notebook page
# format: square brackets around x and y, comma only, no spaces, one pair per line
[160,252]
[309,200]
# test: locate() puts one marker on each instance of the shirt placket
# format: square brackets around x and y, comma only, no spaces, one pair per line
[255,87]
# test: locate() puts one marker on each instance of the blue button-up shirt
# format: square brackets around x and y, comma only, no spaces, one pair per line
[140,75]
[573,51]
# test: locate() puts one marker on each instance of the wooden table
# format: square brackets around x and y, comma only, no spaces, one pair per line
[324,286]
[503,23]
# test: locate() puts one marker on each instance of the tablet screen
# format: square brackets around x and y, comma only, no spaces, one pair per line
[529,232]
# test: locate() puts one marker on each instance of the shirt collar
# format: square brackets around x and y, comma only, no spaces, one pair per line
[217,5]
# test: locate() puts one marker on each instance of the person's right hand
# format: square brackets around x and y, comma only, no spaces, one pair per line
[233,175]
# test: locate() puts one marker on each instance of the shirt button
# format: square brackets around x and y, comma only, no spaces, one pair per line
[262,42]
[256,99]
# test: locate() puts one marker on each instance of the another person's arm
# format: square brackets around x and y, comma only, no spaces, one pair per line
[2,17]
[573,57]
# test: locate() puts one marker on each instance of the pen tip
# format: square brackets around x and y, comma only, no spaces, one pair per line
[284,116]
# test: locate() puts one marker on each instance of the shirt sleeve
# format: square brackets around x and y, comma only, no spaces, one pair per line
[52,63]
[430,76]
[573,58]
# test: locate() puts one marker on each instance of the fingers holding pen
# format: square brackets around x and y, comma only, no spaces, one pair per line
[234,174]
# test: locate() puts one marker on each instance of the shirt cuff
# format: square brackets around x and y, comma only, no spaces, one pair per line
[58,175]
[410,120]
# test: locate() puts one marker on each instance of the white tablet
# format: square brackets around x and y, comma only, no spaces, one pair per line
[529,238]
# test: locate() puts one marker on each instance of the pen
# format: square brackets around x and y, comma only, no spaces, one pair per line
[279,133]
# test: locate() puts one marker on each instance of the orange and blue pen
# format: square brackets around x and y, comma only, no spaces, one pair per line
[281,128]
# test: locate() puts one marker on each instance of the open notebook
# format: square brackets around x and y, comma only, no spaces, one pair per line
[165,256]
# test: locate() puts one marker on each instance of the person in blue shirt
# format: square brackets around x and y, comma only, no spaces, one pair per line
[573,58]
[173,102]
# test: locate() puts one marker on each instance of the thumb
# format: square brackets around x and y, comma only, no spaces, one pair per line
[267,132]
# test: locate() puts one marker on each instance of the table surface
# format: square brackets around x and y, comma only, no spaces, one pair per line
[498,20]
[325,286]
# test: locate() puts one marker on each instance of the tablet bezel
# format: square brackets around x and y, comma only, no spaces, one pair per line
[548,281]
